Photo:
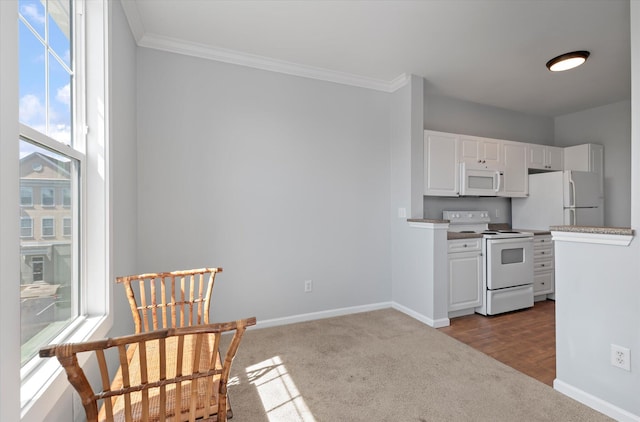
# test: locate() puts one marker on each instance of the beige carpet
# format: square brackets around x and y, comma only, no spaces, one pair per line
[382,365]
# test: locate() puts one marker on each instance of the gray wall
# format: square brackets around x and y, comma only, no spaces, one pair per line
[277,179]
[124,159]
[609,126]
[447,114]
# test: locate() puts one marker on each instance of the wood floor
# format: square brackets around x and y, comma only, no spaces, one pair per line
[524,340]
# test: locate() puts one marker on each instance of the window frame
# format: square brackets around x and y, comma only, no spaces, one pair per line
[44,387]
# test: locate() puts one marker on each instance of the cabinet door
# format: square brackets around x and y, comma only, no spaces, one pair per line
[516,175]
[465,280]
[554,158]
[482,152]
[490,153]
[536,156]
[441,169]
[470,150]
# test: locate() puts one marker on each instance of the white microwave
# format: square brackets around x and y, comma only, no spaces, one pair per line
[480,181]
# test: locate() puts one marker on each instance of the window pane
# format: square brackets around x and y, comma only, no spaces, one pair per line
[33,12]
[32,80]
[48,283]
[59,102]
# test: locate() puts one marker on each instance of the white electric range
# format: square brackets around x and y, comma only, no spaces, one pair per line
[508,262]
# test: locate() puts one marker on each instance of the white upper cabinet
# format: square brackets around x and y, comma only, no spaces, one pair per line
[545,157]
[482,152]
[516,176]
[441,168]
[585,157]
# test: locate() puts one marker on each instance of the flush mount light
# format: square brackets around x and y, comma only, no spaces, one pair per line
[567,61]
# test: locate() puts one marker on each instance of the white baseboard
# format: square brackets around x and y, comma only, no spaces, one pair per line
[321,315]
[437,323]
[594,402]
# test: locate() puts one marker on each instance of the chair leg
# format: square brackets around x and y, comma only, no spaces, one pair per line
[229,410]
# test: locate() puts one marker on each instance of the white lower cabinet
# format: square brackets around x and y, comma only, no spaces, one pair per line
[465,274]
[543,267]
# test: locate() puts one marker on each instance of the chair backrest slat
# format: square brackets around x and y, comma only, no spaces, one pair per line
[169,300]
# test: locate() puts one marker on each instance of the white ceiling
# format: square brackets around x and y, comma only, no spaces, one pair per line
[485,51]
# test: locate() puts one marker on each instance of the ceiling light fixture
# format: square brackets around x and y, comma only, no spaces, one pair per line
[567,61]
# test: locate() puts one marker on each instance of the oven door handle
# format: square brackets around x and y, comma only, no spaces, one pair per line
[526,239]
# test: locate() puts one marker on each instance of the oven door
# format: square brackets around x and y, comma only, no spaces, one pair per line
[509,262]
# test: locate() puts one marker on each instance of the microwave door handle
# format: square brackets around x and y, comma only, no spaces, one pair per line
[497,184]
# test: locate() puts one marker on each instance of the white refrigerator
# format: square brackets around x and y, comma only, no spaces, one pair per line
[572,198]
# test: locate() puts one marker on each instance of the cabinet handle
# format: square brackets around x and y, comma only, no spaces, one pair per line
[542,265]
[542,252]
[465,245]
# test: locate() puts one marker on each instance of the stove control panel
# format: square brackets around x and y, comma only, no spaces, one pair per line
[466,217]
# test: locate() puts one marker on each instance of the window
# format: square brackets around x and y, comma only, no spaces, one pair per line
[48,198]
[48,227]
[66,226]
[66,197]
[57,137]
[26,197]
[51,161]
[26,227]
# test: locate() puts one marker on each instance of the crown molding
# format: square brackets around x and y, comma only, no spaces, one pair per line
[173,45]
[133,17]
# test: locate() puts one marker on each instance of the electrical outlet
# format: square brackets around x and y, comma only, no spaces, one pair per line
[402,213]
[308,286]
[621,357]
[497,213]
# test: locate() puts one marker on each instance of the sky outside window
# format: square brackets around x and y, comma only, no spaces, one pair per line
[45,67]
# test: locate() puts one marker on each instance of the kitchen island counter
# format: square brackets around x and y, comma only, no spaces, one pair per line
[620,231]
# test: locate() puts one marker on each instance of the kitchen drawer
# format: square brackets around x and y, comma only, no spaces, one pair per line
[541,254]
[542,265]
[464,245]
[542,241]
[543,283]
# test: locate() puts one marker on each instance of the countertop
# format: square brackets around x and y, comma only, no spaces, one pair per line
[426,220]
[622,231]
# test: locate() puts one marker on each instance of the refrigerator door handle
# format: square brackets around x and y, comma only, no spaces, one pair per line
[572,217]
[572,187]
